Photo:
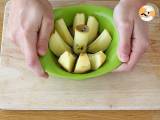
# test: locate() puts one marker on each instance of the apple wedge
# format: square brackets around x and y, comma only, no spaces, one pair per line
[80,39]
[67,61]
[83,64]
[62,29]
[97,60]
[101,43]
[57,44]
[93,24]
[79,19]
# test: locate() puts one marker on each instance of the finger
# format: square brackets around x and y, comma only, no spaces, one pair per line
[30,52]
[12,37]
[44,35]
[47,4]
[134,57]
[124,48]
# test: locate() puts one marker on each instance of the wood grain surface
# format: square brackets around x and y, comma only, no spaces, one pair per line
[2,4]
[79,115]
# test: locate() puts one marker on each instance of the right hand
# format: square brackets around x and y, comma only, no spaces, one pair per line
[133,33]
[30,26]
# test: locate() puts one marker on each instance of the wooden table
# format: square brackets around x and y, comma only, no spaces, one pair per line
[67,115]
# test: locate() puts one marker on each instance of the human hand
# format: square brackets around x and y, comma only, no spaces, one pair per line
[30,26]
[132,33]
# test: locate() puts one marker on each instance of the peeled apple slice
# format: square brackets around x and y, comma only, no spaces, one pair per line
[93,24]
[67,61]
[79,19]
[101,43]
[83,64]
[97,60]
[62,29]
[57,44]
[81,39]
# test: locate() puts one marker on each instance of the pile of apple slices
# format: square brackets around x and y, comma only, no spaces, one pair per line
[79,50]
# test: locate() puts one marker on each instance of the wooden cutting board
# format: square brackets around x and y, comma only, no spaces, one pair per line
[22,90]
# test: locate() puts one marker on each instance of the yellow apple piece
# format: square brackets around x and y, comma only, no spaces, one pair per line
[57,44]
[64,32]
[67,61]
[97,60]
[83,64]
[93,24]
[101,43]
[80,39]
[79,19]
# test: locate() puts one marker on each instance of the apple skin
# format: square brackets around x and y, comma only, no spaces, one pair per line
[67,61]
[101,43]
[83,64]
[93,25]
[81,39]
[97,60]
[64,32]
[57,44]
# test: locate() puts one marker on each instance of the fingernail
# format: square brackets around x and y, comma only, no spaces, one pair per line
[45,75]
[41,52]
[124,58]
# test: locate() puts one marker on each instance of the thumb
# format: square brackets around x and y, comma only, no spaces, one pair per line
[44,35]
[124,48]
